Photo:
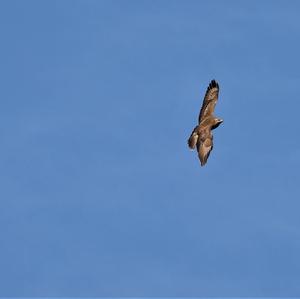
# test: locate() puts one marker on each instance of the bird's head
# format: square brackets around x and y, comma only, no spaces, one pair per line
[217,122]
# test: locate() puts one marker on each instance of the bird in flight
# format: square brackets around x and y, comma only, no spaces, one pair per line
[201,136]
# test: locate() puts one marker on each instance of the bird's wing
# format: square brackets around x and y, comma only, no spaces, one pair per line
[193,139]
[204,148]
[210,100]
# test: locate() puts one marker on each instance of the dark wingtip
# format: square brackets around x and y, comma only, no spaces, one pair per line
[213,83]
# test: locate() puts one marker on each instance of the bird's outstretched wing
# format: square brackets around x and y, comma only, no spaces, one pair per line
[210,100]
[204,148]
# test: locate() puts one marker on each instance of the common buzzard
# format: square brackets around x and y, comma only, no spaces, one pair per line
[202,134]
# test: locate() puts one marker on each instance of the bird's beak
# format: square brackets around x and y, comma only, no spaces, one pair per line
[220,120]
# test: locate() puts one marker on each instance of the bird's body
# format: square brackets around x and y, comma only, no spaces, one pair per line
[201,136]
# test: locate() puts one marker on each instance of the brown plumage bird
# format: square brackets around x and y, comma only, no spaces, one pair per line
[202,134]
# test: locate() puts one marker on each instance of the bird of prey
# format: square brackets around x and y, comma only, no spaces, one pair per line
[201,136]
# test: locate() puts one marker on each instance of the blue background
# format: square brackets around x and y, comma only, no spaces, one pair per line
[100,195]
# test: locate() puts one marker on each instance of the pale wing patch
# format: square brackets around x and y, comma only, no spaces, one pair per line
[193,140]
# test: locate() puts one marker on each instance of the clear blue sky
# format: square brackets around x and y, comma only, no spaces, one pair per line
[100,195]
